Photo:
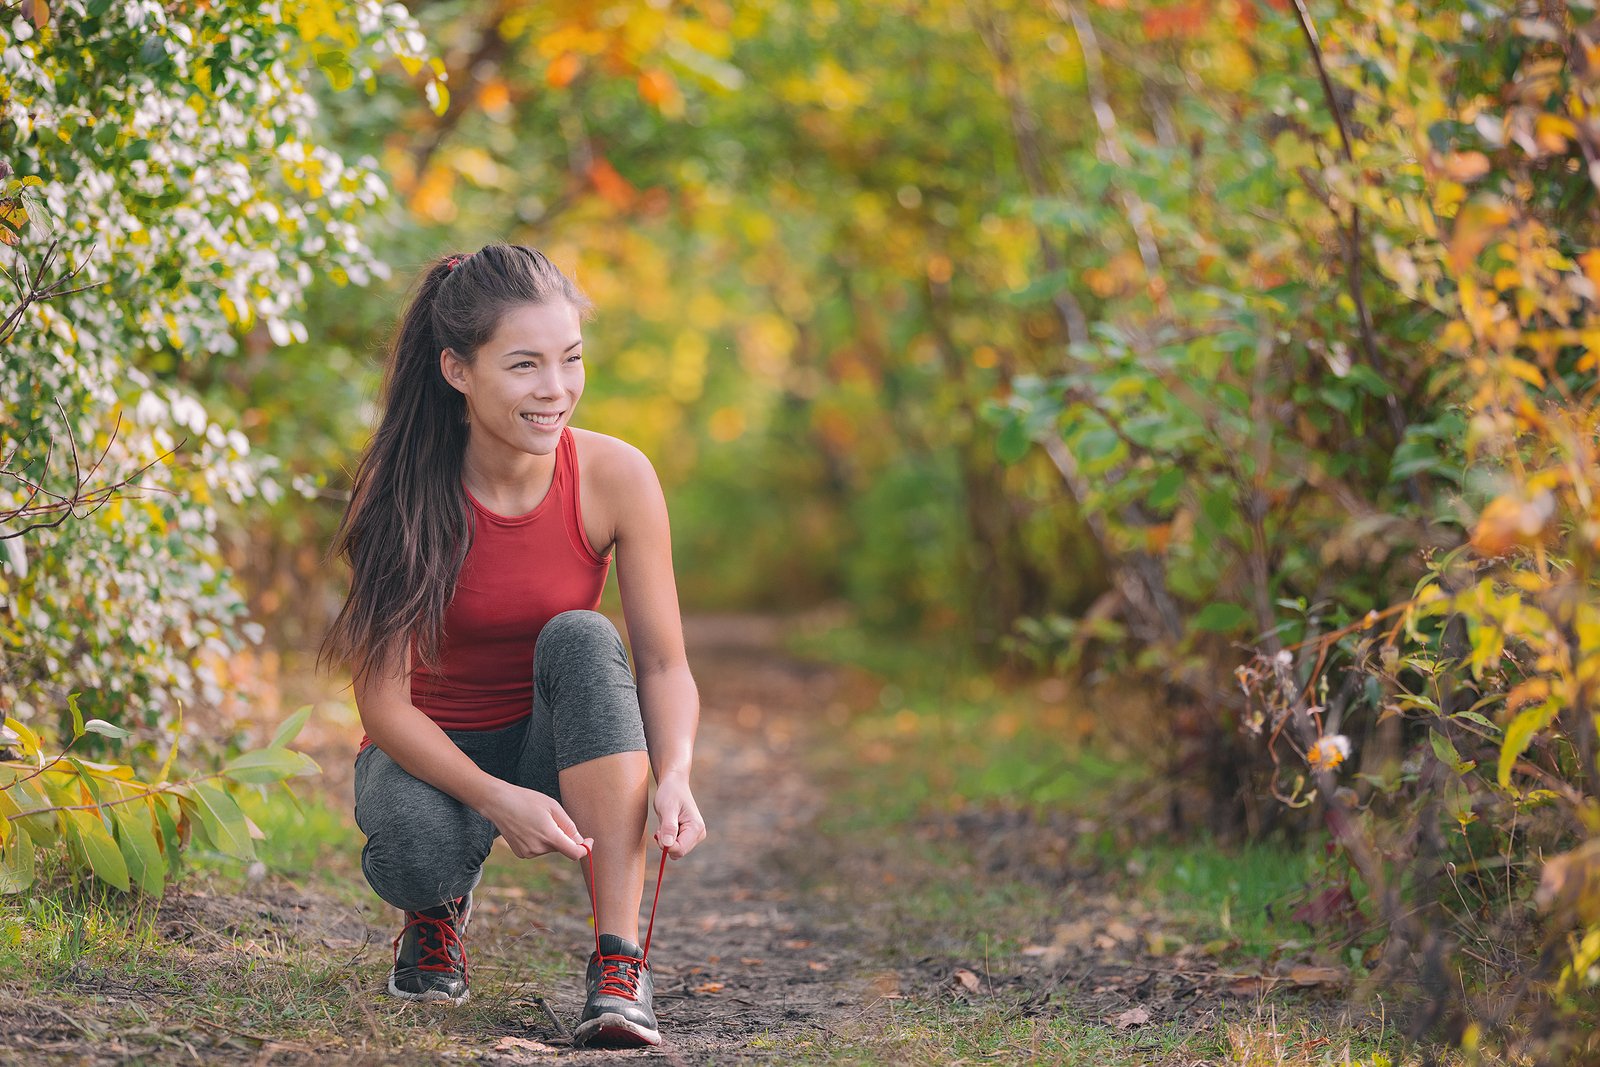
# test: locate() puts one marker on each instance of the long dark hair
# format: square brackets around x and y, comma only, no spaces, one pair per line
[405,531]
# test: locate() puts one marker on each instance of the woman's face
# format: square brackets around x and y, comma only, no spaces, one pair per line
[526,380]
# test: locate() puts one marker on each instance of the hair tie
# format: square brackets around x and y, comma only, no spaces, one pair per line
[455,261]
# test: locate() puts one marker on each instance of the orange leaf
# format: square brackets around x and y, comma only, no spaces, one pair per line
[613,188]
[562,69]
[656,87]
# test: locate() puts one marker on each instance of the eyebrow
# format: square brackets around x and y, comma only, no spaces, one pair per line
[531,352]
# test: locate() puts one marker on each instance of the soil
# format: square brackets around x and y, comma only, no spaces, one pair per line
[769,930]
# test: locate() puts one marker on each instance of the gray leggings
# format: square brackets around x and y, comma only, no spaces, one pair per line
[424,847]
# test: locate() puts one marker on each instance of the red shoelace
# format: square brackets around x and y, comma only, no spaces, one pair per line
[619,973]
[435,957]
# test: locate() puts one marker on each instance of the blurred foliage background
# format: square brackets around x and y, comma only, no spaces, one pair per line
[1240,348]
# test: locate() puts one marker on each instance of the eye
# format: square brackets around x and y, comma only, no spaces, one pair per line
[575,357]
[522,363]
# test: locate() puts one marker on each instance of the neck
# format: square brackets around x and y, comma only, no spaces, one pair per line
[504,473]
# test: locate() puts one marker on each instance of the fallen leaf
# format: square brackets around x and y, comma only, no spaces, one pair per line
[521,1044]
[751,961]
[887,986]
[709,987]
[1310,975]
[1250,985]
[1104,942]
[1132,1017]
[1073,933]
[1120,930]
[796,944]
[816,965]
[967,980]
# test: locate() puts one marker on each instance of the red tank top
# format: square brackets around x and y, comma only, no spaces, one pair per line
[518,575]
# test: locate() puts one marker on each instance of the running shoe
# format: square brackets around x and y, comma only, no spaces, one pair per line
[430,963]
[620,1011]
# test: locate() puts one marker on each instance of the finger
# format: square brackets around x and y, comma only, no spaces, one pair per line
[564,822]
[572,848]
[689,835]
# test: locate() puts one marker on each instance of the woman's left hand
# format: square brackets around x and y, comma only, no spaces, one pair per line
[681,827]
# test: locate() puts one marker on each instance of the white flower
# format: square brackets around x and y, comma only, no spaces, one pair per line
[1328,752]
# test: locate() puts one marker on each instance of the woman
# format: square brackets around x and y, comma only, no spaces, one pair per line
[495,700]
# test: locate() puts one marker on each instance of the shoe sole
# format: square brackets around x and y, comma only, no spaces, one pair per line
[611,1030]
[432,996]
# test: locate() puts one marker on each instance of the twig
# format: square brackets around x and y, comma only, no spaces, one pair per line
[1352,243]
[555,1021]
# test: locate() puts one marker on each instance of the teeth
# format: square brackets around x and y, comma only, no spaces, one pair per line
[542,420]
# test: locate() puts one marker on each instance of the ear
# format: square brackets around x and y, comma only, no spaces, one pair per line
[453,369]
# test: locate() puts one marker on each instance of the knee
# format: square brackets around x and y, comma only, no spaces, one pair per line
[575,631]
[412,870]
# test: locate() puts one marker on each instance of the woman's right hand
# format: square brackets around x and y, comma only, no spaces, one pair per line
[533,823]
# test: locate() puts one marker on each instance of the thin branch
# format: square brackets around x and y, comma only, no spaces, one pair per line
[1116,153]
[1353,241]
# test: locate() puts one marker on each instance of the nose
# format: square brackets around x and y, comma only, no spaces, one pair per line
[547,384]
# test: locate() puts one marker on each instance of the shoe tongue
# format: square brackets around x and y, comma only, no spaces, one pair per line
[612,945]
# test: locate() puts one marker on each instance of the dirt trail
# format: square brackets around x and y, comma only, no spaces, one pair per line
[770,935]
[740,952]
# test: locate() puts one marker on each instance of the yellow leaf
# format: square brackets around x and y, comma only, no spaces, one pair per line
[1520,734]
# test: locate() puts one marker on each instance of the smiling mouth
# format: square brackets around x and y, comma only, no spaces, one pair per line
[543,420]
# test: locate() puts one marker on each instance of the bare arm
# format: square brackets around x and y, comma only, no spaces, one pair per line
[668,699]
[531,822]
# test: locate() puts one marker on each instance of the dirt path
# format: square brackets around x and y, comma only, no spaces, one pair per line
[774,941]
[740,954]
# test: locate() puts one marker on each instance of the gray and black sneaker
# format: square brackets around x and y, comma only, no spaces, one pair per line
[620,1011]
[430,962]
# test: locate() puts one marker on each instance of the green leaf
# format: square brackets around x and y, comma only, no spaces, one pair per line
[1474,717]
[1013,442]
[269,765]
[1447,754]
[1219,510]
[171,839]
[1098,444]
[77,716]
[1164,493]
[29,796]
[16,862]
[104,729]
[1520,734]
[86,776]
[88,837]
[136,837]
[290,728]
[220,817]
[1220,617]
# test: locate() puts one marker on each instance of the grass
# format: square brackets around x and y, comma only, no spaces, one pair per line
[1016,814]
[245,955]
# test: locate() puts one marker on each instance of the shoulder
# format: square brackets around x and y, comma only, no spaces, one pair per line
[612,464]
